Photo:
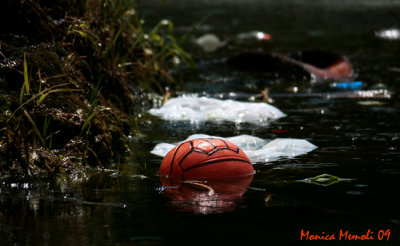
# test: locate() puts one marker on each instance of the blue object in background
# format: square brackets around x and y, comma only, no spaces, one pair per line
[352,85]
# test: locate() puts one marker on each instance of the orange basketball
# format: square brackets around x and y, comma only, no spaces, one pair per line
[206,158]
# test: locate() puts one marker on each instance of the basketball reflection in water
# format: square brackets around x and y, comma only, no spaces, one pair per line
[206,175]
[205,196]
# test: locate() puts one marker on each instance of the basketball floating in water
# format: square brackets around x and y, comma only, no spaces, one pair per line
[208,158]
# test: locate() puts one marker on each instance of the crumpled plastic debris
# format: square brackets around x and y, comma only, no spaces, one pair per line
[209,42]
[197,109]
[258,150]
[391,33]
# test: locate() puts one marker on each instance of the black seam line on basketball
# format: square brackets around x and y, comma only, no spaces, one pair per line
[191,145]
[225,143]
[183,158]
[216,161]
[206,140]
[216,150]
[204,153]
[228,146]
[173,158]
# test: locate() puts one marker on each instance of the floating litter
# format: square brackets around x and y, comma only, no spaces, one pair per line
[198,109]
[390,34]
[258,150]
[206,158]
[209,42]
[353,85]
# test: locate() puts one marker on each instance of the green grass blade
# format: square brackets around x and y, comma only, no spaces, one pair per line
[26,77]
[43,96]
[193,29]
[25,85]
[88,121]
[35,129]
[38,95]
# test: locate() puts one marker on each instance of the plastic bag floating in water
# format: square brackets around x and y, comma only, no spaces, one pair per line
[257,149]
[391,34]
[198,109]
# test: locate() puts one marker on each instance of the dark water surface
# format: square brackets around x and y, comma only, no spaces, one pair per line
[357,139]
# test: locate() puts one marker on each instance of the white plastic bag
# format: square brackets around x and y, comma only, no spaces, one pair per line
[197,109]
[257,149]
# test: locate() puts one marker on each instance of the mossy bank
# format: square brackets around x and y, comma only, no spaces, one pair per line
[73,77]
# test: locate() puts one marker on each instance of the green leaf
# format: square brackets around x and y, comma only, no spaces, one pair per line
[39,95]
[25,85]
[193,29]
[88,121]
[26,78]
[44,95]
[325,180]
[116,36]
[35,129]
